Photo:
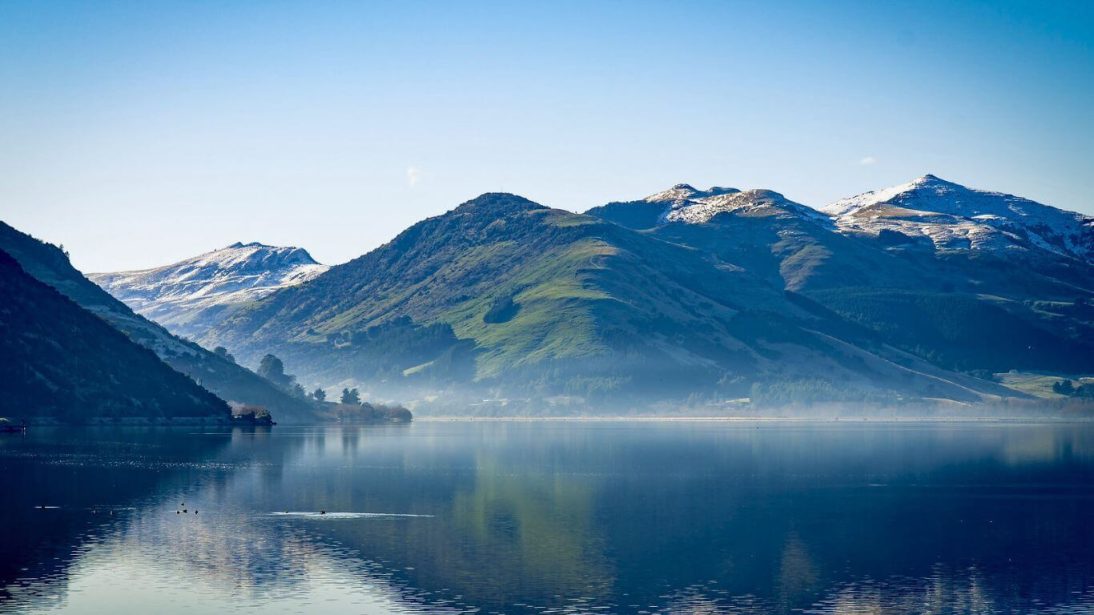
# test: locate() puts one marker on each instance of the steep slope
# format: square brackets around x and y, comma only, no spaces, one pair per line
[507,295]
[1012,279]
[231,382]
[952,217]
[905,277]
[185,297]
[63,363]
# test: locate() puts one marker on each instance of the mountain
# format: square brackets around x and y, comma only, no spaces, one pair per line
[64,364]
[951,217]
[1009,285]
[508,298]
[714,294]
[185,297]
[786,243]
[930,267]
[683,203]
[232,382]
[687,204]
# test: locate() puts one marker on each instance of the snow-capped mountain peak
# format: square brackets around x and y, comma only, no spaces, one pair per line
[249,255]
[684,192]
[954,217]
[182,295]
[684,203]
[751,203]
[928,182]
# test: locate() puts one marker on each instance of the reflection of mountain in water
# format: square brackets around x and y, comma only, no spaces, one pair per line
[748,518]
[481,530]
[67,488]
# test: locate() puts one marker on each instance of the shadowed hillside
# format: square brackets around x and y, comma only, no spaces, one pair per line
[65,364]
[231,382]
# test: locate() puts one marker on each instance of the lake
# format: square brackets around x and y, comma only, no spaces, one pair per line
[552,517]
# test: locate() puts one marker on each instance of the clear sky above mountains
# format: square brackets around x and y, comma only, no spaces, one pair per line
[138,134]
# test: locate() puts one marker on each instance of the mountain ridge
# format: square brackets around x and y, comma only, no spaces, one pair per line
[50,265]
[64,364]
[550,302]
[186,295]
[954,217]
[706,291]
[862,271]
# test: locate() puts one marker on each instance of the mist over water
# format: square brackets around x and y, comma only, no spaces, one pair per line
[562,517]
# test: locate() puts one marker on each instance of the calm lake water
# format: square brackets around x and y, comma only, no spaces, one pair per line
[551,517]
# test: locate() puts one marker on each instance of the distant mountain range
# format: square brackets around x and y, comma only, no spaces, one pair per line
[509,297]
[189,295]
[969,280]
[918,291]
[914,293]
[219,374]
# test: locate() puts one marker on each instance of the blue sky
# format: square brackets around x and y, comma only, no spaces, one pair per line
[139,133]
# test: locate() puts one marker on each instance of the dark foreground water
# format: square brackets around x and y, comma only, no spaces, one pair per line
[551,518]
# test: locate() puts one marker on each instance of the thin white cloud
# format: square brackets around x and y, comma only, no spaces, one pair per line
[867,161]
[413,176]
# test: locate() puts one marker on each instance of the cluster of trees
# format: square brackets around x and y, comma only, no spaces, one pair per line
[1068,389]
[273,369]
[368,413]
[503,309]
[251,415]
[351,397]
[223,353]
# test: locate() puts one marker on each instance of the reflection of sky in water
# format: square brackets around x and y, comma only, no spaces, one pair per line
[560,517]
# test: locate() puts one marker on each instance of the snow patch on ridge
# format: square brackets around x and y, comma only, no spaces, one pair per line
[953,217]
[936,212]
[688,205]
[175,294]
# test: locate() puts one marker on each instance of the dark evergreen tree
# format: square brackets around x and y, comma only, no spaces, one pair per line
[351,397]
[1063,387]
[271,368]
[320,395]
[222,352]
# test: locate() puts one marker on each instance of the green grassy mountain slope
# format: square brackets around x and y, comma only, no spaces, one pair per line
[980,311]
[63,363]
[965,310]
[507,295]
[230,381]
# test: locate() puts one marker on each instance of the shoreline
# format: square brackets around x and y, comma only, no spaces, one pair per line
[746,419]
[595,419]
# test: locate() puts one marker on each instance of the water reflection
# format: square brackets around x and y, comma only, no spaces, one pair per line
[553,517]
